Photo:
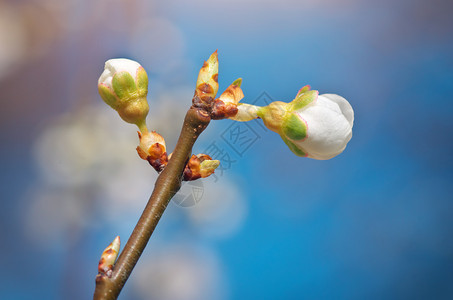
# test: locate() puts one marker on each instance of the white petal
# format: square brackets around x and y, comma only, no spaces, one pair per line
[117,65]
[122,64]
[106,78]
[344,105]
[328,130]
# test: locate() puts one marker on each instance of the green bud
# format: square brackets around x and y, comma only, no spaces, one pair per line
[207,81]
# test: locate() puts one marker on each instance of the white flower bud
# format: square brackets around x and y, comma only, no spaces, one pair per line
[124,85]
[314,126]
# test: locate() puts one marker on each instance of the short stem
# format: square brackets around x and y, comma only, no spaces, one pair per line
[142,127]
[167,185]
[246,112]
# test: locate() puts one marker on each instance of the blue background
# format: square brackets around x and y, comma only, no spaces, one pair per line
[373,223]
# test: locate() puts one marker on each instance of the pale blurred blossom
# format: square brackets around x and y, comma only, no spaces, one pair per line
[159,41]
[167,113]
[29,30]
[222,209]
[179,272]
[12,38]
[87,162]
[90,173]
[56,214]
[163,45]
[84,147]
[127,191]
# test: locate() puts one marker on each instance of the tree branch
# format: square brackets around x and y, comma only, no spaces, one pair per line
[167,185]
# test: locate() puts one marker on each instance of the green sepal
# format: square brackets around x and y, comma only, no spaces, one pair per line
[124,85]
[237,82]
[142,82]
[294,127]
[303,90]
[296,150]
[303,99]
[108,96]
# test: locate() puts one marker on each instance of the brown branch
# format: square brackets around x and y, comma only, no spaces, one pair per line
[167,185]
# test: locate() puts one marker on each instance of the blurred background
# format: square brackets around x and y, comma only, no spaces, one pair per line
[373,223]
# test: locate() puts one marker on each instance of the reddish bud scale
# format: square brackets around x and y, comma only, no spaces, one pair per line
[192,170]
[226,105]
[222,110]
[202,101]
[160,163]
[157,158]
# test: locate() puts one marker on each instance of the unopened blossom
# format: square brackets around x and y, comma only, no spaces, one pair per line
[312,125]
[124,85]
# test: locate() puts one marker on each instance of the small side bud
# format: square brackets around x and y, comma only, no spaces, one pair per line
[200,166]
[226,105]
[123,86]
[207,83]
[233,94]
[152,148]
[108,257]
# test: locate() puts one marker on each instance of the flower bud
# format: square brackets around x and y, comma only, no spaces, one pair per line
[314,126]
[152,148]
[109,256]
[124,85]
